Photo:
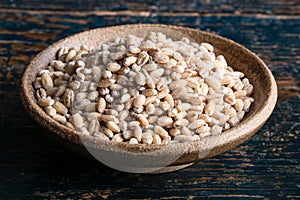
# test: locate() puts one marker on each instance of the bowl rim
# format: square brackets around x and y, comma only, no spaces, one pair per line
[230,138]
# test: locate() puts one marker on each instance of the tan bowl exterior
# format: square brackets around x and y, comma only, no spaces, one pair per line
[237,56]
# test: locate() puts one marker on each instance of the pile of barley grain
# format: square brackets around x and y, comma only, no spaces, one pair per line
[149,90]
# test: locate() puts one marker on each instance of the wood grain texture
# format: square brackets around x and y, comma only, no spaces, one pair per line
[290,7]
[265,167]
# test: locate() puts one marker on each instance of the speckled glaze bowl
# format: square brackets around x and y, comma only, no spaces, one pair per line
[237,56]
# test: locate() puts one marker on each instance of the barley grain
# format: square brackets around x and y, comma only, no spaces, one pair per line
[163,94]
[94,126]
[107,132]
[152,119]
[140,78]
[41,93]
[71,55]
[150,67]
[149,89]
[149,92]
[186,131]
[62,51]
[203,129]
[50,110]
[164,121]
[46,81]
[68,98]
[139,101]
[143,120]
[196,124]
[44,102]
[77,120]
[239,94]
[129,61]
[137,133]
[160,131]
[125,98]
[133,141]
[59,118]
[156,139]
[60,108]
[113,126]
[157,73]
[117,138]
[247,103]
[113,67]
[233,121]
[147,138]
[101,136]
[239,105]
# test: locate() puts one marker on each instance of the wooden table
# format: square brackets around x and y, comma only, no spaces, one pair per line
[264,167]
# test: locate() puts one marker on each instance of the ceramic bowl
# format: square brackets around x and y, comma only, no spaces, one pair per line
[156,158]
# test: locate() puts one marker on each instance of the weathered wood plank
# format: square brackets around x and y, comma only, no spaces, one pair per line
[291,7]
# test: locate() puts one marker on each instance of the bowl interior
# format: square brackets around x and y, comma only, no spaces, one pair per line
[238,57]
